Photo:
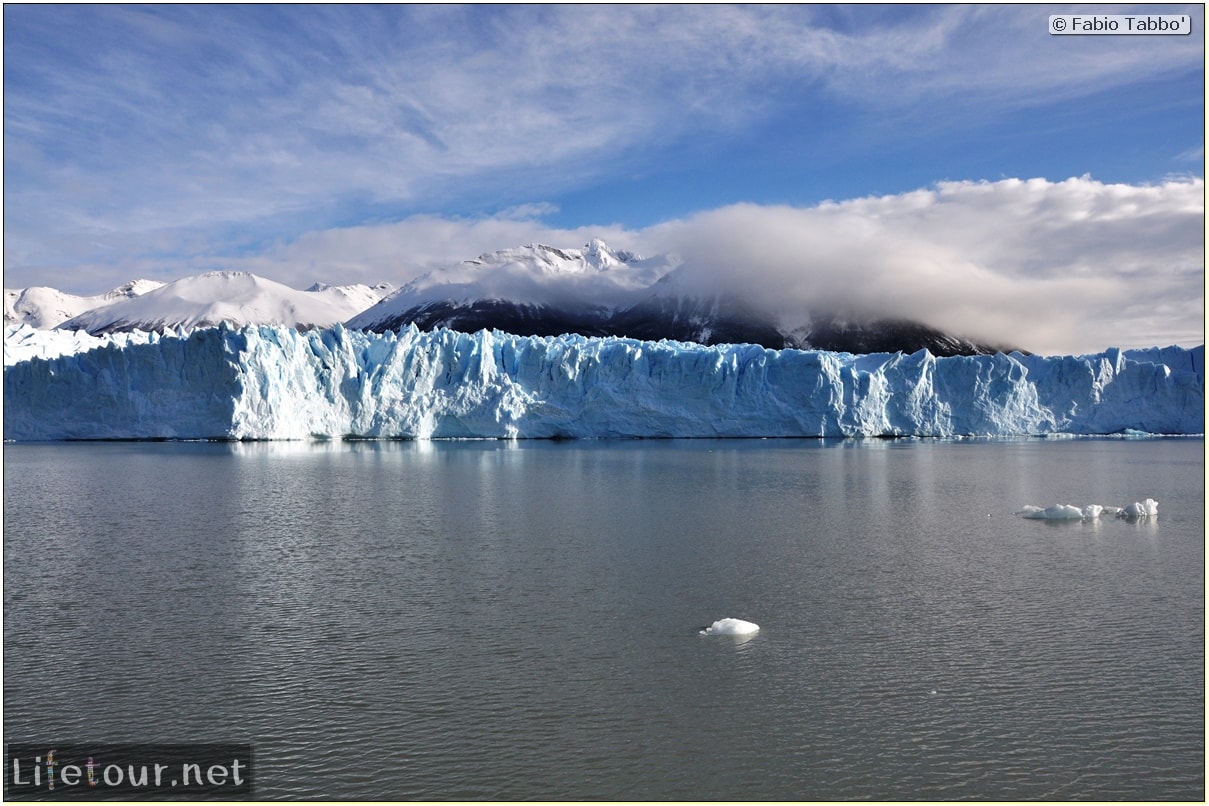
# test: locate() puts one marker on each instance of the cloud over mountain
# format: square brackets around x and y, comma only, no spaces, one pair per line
[1056,267]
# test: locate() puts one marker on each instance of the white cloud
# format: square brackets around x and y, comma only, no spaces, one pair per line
[182,117]
[1054,267]
[1194,154]
[400,251]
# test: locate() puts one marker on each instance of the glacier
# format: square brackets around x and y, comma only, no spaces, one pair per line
[266,382]
[23,342]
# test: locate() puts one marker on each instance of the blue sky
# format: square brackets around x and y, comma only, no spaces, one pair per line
[369,143]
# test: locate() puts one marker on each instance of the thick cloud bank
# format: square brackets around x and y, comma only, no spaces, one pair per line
[1053,267]
[276,383]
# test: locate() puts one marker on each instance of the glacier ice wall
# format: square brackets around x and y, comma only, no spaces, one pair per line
[23,342]
[277,383]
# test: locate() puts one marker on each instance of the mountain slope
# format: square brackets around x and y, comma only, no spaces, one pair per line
[205,300]
[530,290]
[884,336]
[43,308]
[355,297]
[538,290]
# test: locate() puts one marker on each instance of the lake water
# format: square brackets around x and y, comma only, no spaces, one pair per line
[496,620]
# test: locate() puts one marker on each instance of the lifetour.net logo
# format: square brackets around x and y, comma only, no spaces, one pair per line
[128,771]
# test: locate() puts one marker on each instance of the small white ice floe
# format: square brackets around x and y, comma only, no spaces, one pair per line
[1058,512]
[1145,509]
[731,626]
[1065,512]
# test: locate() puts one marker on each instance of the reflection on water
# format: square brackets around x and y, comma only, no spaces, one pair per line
[492,619]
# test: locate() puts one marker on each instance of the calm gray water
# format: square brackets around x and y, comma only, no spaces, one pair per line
[493,620]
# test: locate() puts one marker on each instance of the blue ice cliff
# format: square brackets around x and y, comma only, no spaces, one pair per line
[277,383]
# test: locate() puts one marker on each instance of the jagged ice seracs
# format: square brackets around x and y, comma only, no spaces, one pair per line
[268,382]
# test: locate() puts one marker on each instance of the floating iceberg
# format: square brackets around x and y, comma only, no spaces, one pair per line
[731,626]
[1058,512]
[1066,512]
[278,383]
[1145,509]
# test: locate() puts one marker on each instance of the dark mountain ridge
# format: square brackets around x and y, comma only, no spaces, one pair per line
[537,290]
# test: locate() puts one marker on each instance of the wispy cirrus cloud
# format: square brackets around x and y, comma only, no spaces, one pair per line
[155,119]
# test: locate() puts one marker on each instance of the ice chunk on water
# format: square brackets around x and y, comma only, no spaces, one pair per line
[1058,512]
[731,626]
[1066,512]
[1144,509]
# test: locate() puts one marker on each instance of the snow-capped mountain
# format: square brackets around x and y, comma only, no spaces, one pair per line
[238,298]
[43,308]
[356,297]
[539,290]
[530,290]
